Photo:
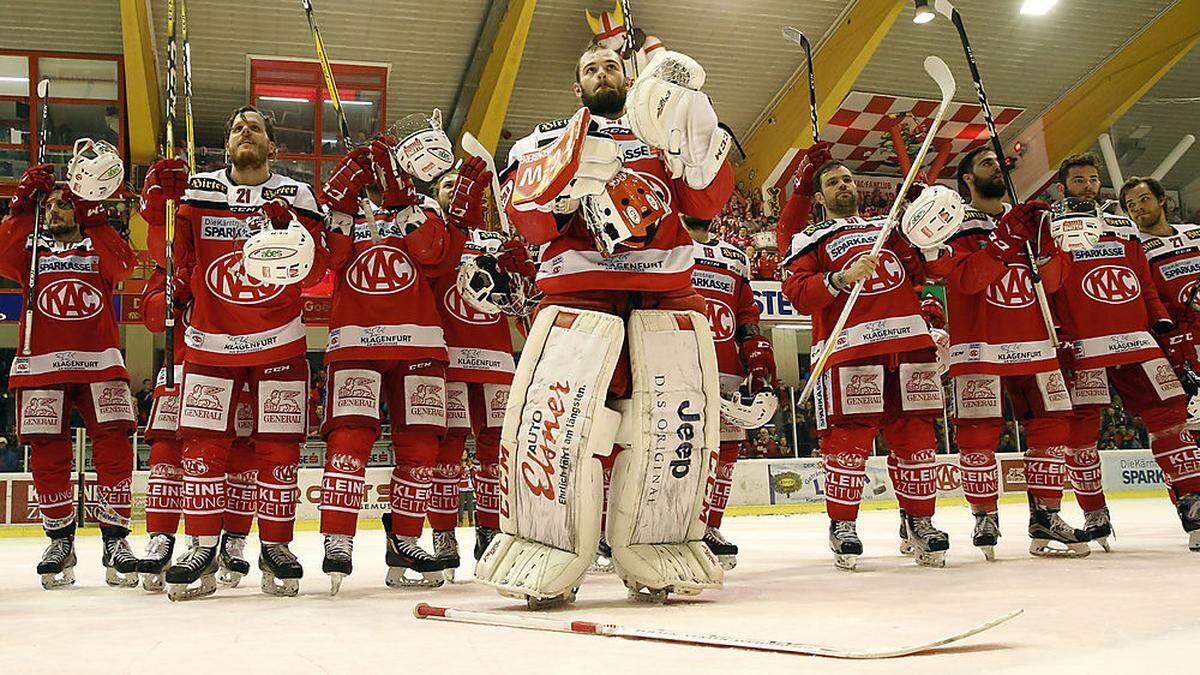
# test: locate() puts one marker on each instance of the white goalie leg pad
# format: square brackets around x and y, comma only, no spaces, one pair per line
[551,488]
[663,479]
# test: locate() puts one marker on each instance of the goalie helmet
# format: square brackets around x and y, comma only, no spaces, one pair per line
[277,256]
[627,213]
[1075,224]
[749,410]
[423,151]
[95,171]
[488,289]
[933,217]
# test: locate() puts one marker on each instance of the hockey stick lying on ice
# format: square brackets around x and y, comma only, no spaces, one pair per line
[545,623]
[940,73]
[472,146]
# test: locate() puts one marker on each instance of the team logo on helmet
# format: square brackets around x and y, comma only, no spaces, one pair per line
[70,300]
[380,270]
[228,280]
[1013,290]
[1112,284]
[720,318]
[463,311]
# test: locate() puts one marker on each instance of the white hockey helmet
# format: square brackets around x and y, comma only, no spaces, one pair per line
[1075,224]
[626,213]
[933,217]
[487,289]
[95,171]
[277,256]
[423,151]
[747,410]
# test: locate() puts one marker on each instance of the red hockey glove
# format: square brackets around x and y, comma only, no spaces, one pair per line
[87,214]
[1180,347]
[514,257]
[183,287]
[931,309]
[166,180]
[398,190]
[353,173]
[759,359]
[279,212]
[466,202]
[35,184]
[1019,225]
[814,157]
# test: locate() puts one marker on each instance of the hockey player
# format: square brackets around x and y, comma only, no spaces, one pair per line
[479,375]
[1173,252]
[1109,306]
[386,343]
[883,376]
[655,149]
[1000,346]
[722,277]
[73,363]
[243,331]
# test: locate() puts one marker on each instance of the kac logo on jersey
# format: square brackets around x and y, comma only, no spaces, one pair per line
[1112,284]
[888,275]
[380,270]
[720,319]
[70,300]
[229,282]
[464,312]
[1185,293]
[1014,290]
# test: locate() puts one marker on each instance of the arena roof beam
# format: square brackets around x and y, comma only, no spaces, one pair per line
[489,105]
[1072,124]
[143,110]
[837,62]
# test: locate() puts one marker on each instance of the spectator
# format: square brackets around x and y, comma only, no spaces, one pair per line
[145,401]
[10,459]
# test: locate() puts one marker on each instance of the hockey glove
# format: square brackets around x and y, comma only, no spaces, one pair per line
[759,359]
[166,180]
[279,212]
[346,183]
[466,201]
[514,258]
[396,185]
[35,184]
[1019,225]
[814,157]
[932,311]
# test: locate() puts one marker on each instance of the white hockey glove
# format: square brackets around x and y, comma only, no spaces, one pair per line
[667,111]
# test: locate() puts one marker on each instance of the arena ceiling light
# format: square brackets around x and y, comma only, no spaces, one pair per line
[924,14]
[1037,7]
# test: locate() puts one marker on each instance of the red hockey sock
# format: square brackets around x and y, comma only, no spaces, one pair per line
[1083,468]
[343,483]
[411,481]
[1045,470]
[50,460]
[916,485]
[164,489]
[980,478]
[724,482]
[112,455]
[241,487]
[278,462]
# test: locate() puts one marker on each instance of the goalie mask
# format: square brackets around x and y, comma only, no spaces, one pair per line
[627,213]
[95,171]
[488,289]
[1075,224]
[933,217]
[749,410]
[424,151]
[277,256]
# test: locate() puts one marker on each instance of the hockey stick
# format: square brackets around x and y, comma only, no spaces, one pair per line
[43,92]
[629,42]
[946,9]
[793,34]
[188,125]
[547,623]
[344,127]
[937,69]
[472,146]
[169,227]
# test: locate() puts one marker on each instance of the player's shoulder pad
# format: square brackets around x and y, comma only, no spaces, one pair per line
[208,186]
[736,257]
[805,240]
[299,195]
[1121,226]
[542,135]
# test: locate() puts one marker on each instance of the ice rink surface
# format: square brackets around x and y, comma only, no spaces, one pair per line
[1134,608]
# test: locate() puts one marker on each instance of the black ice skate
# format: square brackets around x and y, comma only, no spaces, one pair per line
[57,566]
[845,544]
[1098,525]
[987,533]
[445,549]
[120,564]
[1046,526]
[194,575]
[603,563]
[158,557]
[721,547]
[403,554]
[338,563]
[483,539]
[929,543]
[905,547]
[232,560]
[1189,514]
[281,571]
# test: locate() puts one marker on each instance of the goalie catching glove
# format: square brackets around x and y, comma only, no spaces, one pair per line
[667,111]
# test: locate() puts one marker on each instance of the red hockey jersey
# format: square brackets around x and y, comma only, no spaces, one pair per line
[237,321]
[570,260]
[996,325]
[1175,267]
[75,336]
[886,318]
[384,307]
[479,343]
[1108,301]
[722,276]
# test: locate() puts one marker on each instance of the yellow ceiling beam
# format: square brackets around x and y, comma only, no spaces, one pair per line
[489,105]
[1072,125]
[837,63]
[143,111]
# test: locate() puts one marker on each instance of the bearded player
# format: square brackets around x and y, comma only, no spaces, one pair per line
[602,194]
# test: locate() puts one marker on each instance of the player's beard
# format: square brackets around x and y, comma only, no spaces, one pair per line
[248,157]
[607,102]
[843,205]
[991,188]
[1082,196]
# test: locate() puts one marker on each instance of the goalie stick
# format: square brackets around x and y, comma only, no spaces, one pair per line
[1039,290]
[39,213]
[472,146]
[937,69]
[546,623]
